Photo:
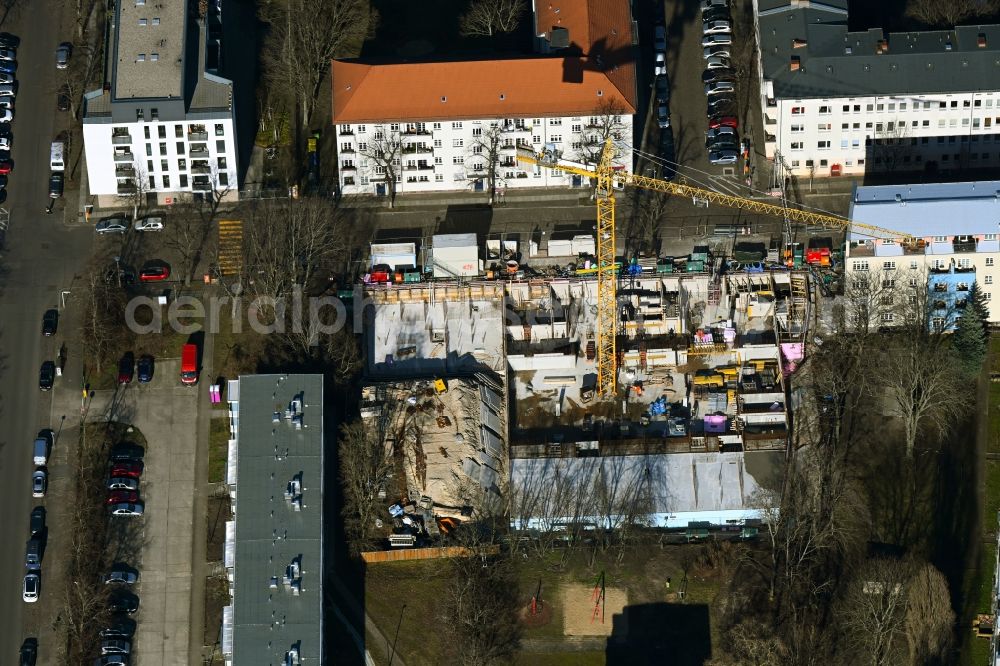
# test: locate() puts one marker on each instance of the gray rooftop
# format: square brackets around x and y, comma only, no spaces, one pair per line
[932,209]
[836,63]
[149,48]
[270,533]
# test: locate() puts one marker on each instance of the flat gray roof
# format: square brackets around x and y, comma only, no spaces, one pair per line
[268,617]
[931,209]
[149,48]
[836,63]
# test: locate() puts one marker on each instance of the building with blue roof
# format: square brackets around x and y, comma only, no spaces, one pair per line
[949,239]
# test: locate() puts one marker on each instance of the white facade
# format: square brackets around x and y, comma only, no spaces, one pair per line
[165,158]
[847,135]
[447,155]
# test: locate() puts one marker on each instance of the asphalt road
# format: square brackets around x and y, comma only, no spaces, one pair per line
[38,259]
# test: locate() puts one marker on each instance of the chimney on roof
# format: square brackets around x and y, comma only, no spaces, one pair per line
[798,43]
[795,64]
[882,46]
[981,42]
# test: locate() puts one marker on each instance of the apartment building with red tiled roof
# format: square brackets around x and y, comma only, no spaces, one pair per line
[456,125]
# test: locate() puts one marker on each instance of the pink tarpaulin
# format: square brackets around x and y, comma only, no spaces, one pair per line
[791,354]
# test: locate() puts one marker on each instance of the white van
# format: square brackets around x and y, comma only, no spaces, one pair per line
[56,162]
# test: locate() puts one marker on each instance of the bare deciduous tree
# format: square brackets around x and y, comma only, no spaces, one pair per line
[306,36]
[365,468]
[938,14]
[873,611]
[486,159]
[929,616]
[383,151]
[604,123]
[485,18]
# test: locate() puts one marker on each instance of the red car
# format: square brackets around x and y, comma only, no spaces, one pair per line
[723,121]
[126,368]
[154,274]
[6,166]
[119,496]
[133,469]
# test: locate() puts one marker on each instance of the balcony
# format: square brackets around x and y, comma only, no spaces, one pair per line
[197,136]
[203,169]
[413,131]
[348,167]
[964,244]
[124,172]
[417,148]
[121,139]
[127,188]
[199,151]
[347,149]
[124,157]
[516,128]
[201,185]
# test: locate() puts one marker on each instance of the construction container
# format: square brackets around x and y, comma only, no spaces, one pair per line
[694,266]
[665,265]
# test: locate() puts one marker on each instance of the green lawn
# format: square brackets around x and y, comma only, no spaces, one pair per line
[420,585]
[562,659]
[218,449]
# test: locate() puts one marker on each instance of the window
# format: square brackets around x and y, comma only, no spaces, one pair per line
[184,180]
[869,107]
[393,127]
[362,129]
[220,146]
[182,165]
[954,104]
[163,148]
[152,183]
[798,128]
[457,143]
[887,317]
[913,265]
[988,279]
[220,130]
[556,138]
[856,126]
[224,179]
[166,180]
[458,159]
[989,236]
[902,106]
[438,161]
[439,178]
[889,265]
[362,146]
[845,126]
[860,265]
[913,282]
[824,109]
[456,125]
[164,165]
[555,122]
[857,108]
[149,166]
[880,107]
[436,126]
[437,143]
[223,166]
[477,149]
[823,145]
[798,110]
[477,131]
[845,108]
[843,143]
[796,145]
[149,150]
[161,132]
[145,131]
[925,123]
[577,128]
[824,127]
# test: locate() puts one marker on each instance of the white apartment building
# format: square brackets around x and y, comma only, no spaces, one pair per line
[956,227]
[845,103]
[163,127]
[443,113]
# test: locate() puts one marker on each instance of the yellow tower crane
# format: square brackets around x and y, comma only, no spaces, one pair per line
[607,178]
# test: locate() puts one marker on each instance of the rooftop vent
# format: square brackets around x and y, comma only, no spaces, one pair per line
[600,93]
[798,43]
[795,64]
[882,46]
[848,50]
[502,97]
[981,40]
[141,57]
[443,99]
[947,46]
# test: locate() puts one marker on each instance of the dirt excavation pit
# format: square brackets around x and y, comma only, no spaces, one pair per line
[578,611]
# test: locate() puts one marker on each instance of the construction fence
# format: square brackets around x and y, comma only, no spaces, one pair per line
[379,556]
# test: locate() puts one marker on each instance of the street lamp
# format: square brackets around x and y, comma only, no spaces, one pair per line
[118,270]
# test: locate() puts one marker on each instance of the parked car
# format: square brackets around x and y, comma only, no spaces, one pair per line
[662,89]
[63,53]
[112,660]
[715,14]
[723,121]
[116,646]
[39,482]
[9,41]
[662,116]
[145,369]
[720,133]
[112,225]
[127,452]
[132,469]
[31,588]
[47,375]
[28,653]
[121,274]
[9,66]
[723,156]
[157,273]
[121,574]
[62,99]
[123,483]
[721,105]
[660,64]
[149,224]
[55,185]
[660,38]
[50,322]
[719,87]
[722,146]
[37,520]
[716,28]
[8,54]
[121,601]
[122,497]
[717,51]
[717,74]
[710,4]
[122,628]
[126,368]
[717,39]
[135,509]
